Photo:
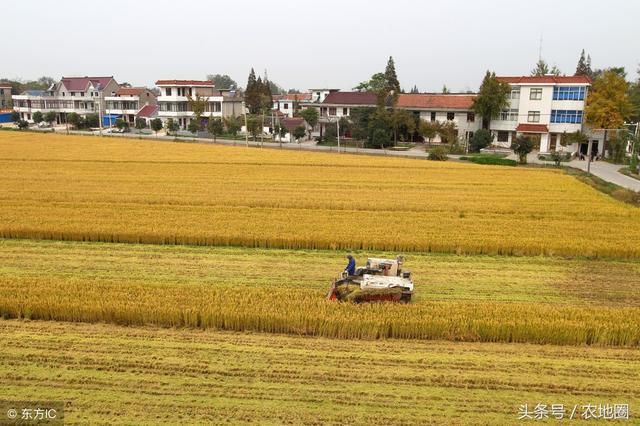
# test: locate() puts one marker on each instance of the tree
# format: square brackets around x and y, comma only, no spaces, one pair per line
[197,104]
[414,89]
[141,123]
[73,119]
[542,69]
[233,125]
[15,116]
[376,84]
[299,132]
[635,147]
[222,81]
[608,103]
[156,125]
[634,98]
[618,146]
[92,120]
[252,93]
[481,139]
[50,117]
[575,137]
[193,126]
[429,130]
[172,126]
[445,89]
[122,124]
[402,121]
[392,85]
[522,146]
[37,117]
[310,115]
[448,132]
[492,98]
[380,129]
[215,127]
[360,119]
[253,126]
[584,66]
[23,124]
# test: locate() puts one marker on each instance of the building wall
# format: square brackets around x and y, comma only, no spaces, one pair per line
[5,97]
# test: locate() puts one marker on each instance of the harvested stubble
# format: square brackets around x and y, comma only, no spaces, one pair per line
[91,189]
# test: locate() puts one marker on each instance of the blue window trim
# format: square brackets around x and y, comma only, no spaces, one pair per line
[569,93]
[570,116]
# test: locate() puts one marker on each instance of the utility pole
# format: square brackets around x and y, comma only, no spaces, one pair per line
[338,126]
[246,127]
[99,111]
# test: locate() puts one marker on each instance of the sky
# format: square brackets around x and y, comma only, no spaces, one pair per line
[314,44]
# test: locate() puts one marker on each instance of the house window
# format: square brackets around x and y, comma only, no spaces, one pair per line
[509,115]
[471,117]
[433,116]
[569,93]
[286,106]
[73,93]
[566,116]
[1,91]
[345,111]
[533,117]
[515,93]
[503,136]
[332,111]
[535,94]
[167,91]
[323,111]
[451,116]
[190,92]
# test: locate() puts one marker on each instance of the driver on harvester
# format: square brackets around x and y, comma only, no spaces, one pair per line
[351,266]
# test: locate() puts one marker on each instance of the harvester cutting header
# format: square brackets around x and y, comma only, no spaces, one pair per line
[378,280]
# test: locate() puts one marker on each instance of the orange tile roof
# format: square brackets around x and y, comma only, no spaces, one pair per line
[552,79]
[436,101]
[207,83]
[131,91]
[532,128]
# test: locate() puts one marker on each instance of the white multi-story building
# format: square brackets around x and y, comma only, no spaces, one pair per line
[544,108]
[82,95]
[290,103]
[173,101]
[127,103]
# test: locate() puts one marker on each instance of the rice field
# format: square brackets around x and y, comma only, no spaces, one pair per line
[99,189]
[458,298]
[145,376]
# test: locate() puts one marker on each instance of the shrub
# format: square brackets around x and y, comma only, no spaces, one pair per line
[522,146]
[23,124]
[481,139]
[438,154]
[490,160]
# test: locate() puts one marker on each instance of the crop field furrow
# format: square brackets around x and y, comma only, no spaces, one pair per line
[157,383]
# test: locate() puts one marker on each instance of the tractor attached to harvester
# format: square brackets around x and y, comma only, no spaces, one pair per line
[379,280]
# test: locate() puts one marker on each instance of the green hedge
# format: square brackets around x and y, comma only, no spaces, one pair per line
[489,159]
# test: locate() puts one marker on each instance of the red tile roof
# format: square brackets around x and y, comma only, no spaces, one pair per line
[351,98]
[436,101]
[292,123]
[148,111]
[131,91]
[548,79]
[206,83]
[532,128]
[81,83]
[293,97]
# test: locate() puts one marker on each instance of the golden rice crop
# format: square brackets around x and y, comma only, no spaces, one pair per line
[92,189]
[536,300]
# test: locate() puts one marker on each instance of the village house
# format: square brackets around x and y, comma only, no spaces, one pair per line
[82,95]
[544,108]
[129,103]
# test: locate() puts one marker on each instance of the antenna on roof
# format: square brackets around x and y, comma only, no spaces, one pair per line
[540,49]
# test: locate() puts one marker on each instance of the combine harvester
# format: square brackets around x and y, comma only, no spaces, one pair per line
[379,280]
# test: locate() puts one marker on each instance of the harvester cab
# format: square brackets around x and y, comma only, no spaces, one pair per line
[378,280]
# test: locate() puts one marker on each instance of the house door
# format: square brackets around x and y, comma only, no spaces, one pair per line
[553,142]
